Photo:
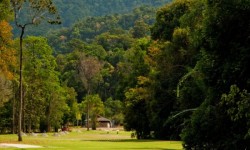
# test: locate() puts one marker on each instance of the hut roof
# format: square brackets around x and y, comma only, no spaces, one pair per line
[102,119]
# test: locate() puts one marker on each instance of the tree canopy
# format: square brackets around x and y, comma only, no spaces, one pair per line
[179,72]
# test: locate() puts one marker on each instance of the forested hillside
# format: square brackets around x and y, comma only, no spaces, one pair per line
[119,26]
[178,72]
[75,10]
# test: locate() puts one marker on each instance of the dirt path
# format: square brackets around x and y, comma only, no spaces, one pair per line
[19,145]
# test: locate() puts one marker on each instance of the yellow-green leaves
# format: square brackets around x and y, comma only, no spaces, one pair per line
[5,11]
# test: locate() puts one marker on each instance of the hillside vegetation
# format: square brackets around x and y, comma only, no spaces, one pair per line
[178,72]
[72,11]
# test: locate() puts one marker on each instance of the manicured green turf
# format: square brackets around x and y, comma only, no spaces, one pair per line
[92,140]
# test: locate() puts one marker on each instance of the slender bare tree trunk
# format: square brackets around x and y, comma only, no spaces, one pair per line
[20,87]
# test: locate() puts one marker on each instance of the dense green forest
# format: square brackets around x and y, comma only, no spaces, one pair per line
[73,11]
[179,72]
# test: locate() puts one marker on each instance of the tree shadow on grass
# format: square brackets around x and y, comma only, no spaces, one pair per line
[122,140]
[133,141]
[151,148]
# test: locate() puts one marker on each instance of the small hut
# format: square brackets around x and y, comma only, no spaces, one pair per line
[104,122]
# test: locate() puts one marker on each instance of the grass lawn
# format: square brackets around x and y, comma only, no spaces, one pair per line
[91,140]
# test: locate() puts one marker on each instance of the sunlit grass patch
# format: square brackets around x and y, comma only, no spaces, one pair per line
[91,140]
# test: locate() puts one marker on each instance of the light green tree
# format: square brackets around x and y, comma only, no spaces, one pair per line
[43,90]
[93,106]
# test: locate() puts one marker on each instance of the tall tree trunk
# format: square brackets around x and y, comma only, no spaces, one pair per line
[88,109]
[48,126]
[88,116]
[93,121]
[48,113]
[24,129]
[20,87]
[29,125]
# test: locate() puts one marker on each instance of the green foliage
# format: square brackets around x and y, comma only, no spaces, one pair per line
[72,111]
[237,105]
[38,63]
[5,10]
[140,30]
[200,128]
[136,117]
[233,56]
[111,31]
[196,59]
[93,106]
[55,106]
[169,15]
[67,66]
[223,126]
[136,92]
[5,89]
[110,41]
[6,120]
[114,110]
[73,11]
[45,98]
[222,65]
[171,59]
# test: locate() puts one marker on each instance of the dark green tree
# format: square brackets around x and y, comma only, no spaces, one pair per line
[168,18]
[224,40]
[140,30]
[136,117]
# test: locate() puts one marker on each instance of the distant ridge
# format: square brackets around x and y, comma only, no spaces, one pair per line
[73,10]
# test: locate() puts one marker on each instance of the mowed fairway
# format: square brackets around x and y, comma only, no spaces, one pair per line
[90,140]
